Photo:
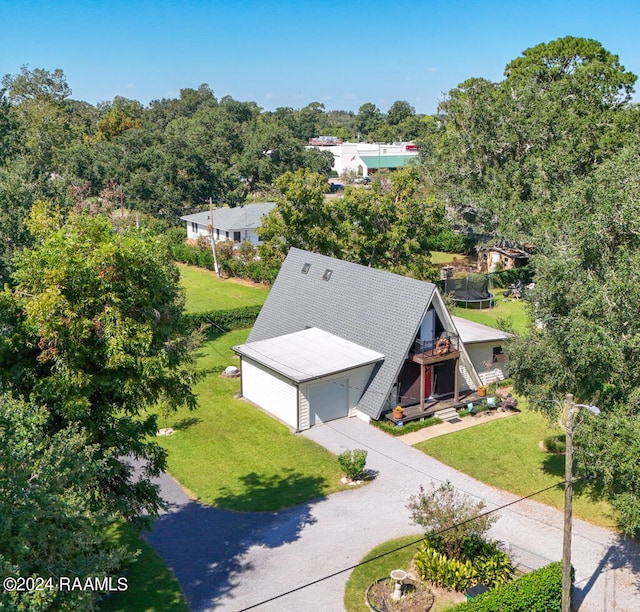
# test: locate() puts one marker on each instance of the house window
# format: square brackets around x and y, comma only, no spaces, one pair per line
[498,355]
[226,234]
[237,236]
[217,234]
[194,227]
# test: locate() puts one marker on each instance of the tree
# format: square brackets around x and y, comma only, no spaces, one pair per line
[389,225]
[50,526]
[587,342]
[36,84]
[301,218]
[400,111]
[93,331]
[449,517]
[504,152]
[368,119]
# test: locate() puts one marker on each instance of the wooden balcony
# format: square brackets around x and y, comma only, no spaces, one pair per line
[426,352]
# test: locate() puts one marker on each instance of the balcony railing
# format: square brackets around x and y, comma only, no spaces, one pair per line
[446,343]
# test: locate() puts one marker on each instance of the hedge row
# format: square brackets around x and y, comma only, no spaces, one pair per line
[394,430]
[539,591]
[225,320]
[504,277]
[193,255]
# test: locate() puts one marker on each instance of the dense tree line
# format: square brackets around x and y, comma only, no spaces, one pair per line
[549,156]
[166,159]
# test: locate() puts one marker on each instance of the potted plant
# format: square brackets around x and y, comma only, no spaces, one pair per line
[397,412]
[482,391]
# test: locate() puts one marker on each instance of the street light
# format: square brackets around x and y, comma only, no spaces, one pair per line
[569,424]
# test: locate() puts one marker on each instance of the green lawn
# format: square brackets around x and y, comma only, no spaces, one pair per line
[152,587]
[364,575]
[232,455]
[512,311]
[206,292]
[439,258]
[505,453]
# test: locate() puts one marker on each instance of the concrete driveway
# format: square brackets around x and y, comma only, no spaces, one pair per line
[234,561]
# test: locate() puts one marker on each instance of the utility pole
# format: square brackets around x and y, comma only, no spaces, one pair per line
[569,425]
[568,499]
[216,267]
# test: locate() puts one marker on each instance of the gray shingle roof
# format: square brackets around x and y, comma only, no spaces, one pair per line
[228,219]
[375,309]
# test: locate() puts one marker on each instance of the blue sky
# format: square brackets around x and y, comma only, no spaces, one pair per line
[291,53]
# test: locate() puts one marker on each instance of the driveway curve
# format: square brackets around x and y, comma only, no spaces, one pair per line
[235,561]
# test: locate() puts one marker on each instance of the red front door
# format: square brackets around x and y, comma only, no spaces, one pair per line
[427,381]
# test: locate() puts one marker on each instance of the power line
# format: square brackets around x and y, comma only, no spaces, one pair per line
[381,555]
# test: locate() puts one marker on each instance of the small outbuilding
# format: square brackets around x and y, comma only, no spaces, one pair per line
[494,258]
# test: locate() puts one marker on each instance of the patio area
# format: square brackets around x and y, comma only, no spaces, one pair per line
[433,406]
[455,425]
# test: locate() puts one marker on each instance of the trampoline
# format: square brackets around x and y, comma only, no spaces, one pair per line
[471,291]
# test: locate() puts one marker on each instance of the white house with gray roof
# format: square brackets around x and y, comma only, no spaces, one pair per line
[236,224]
[337,339]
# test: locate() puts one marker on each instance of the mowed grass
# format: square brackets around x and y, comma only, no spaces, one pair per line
[230,454]
[440,258]
[363,575]
[513,311]
[206,292]
[152,587]
[505,453]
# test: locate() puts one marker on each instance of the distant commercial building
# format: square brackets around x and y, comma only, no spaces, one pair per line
[365,158]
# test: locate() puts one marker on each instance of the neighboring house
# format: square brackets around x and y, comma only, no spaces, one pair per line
[485,347]
[365,158]
[336,339]
[492,259]
[235,224]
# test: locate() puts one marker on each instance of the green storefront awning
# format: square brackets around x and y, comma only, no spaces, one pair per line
[386,161]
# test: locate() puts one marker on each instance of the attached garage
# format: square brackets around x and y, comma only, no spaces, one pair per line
[328,401]
[306,378]
[272,391]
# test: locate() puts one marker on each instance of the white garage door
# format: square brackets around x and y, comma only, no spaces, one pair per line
[270,391]
[329,400]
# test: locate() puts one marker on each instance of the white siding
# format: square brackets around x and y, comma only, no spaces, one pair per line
[271,391]
[482,352]
[201,230]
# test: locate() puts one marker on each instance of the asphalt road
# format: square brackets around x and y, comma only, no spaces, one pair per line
[235,561]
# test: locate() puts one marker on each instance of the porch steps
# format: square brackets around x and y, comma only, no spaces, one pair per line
[448,414]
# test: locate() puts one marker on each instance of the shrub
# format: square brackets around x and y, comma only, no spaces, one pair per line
[539,591]
[555,444]
[394,430]
[494,570]
[437,568]
[450,242]
[448,517]
[224,320]
[353,463]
